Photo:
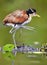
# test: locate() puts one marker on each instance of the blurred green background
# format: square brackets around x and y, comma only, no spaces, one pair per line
[27,37]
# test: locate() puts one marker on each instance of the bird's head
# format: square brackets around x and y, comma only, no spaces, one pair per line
[32,12]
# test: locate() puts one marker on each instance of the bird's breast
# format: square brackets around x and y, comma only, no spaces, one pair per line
[27,21]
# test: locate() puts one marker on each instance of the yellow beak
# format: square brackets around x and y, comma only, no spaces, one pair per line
[37,15]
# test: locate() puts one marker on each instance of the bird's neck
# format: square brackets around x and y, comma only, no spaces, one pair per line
[29,18]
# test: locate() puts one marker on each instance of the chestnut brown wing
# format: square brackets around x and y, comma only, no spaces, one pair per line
[19,16]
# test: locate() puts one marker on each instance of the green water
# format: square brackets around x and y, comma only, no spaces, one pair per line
[27,37]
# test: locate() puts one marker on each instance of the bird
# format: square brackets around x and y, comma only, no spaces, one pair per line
[19,18]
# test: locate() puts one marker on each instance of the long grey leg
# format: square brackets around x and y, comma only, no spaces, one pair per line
[14,32]
[11,31]
[14,38]
[15,51]
[14,28]
[28,27]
